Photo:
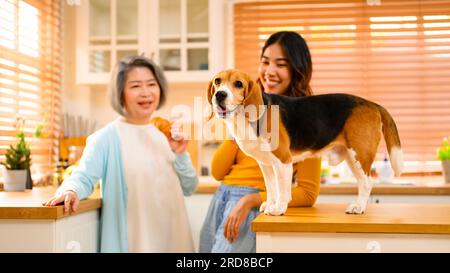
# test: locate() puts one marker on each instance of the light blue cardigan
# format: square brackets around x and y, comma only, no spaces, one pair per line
[102,158]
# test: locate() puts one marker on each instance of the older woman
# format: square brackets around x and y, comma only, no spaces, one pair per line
[143,174]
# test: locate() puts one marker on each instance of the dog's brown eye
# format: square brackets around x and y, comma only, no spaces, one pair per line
[238,84]
[217,81]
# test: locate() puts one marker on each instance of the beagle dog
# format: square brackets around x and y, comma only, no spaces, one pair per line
[340,126]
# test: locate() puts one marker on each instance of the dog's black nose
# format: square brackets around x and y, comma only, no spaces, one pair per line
[220,96]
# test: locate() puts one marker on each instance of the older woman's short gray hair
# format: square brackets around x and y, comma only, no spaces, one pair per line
[119,78]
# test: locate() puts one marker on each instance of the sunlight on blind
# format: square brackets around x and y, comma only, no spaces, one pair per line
[28,29]
[30,76]
[396,54]
[7,23]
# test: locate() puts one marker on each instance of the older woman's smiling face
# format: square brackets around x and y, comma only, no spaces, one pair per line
[141,95]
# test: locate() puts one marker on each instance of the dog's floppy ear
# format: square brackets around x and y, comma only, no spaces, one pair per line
[253,96]
[210,95]
[210,91]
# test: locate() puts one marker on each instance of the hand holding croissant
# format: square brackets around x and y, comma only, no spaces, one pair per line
[172,132]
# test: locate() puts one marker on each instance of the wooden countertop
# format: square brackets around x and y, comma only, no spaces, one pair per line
[28,204]
[378,218]
[420,185]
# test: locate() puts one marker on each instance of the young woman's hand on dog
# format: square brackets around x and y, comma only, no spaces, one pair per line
[69,198]
[238,215]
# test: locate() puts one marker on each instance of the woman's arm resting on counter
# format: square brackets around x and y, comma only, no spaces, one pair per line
[89,171]
[69,198]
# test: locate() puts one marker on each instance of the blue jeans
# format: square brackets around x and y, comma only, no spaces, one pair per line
[211,235]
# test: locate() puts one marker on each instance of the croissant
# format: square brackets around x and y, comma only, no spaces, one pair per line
[163,125]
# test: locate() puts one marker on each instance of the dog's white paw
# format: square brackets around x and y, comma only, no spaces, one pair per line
[278,208]
[265,206]
[355,208]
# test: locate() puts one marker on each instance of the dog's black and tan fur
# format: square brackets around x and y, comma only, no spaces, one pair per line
[345,127]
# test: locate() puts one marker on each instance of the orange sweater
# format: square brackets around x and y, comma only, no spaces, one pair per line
[231,166]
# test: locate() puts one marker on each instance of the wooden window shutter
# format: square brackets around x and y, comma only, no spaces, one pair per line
[30,76]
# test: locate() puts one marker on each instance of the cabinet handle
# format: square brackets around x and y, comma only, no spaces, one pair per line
[377,201]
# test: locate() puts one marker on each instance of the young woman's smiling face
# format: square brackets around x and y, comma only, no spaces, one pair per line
[141,95]
[273,70]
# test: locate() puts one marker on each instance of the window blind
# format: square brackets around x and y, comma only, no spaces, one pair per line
[30,76]
[396,54]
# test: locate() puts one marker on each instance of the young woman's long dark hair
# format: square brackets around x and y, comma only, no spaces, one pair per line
[299,58]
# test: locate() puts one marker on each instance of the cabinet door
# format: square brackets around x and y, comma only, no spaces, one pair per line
[170,40]
[126,29]
[78,233]
[187,39]
[197,35]
[178,34]
[107,31]
[99,39]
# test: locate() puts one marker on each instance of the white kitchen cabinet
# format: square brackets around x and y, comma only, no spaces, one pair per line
[386,228]
[77,233]
[184,36]
[341,242]
[107,30]
[28,226]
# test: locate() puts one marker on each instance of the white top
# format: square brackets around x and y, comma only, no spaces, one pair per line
[157,218]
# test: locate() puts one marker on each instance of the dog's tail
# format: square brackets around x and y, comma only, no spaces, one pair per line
[392,141]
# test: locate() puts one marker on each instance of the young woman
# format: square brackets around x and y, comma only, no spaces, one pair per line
[143,174]
[285,68]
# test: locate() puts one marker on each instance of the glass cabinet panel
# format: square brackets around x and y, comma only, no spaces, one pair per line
[197,59]
[169,21]
[100,40]
[170,59]
[125,53]
[184,35]
[197,19]
[111,30]
[127,18]
[99,18]
[127,40]
[99,61]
